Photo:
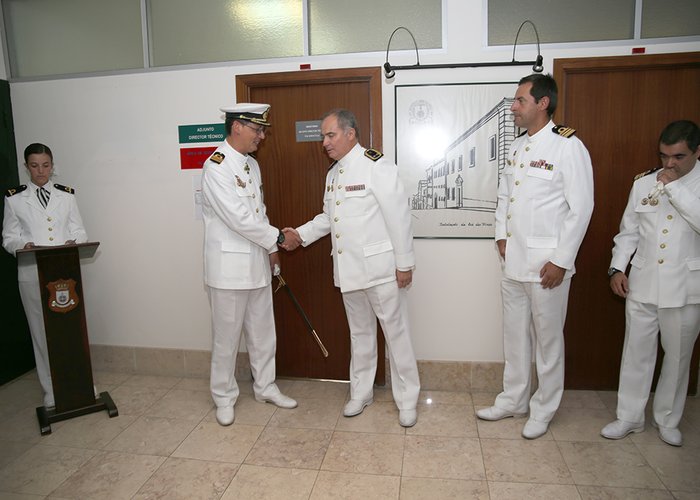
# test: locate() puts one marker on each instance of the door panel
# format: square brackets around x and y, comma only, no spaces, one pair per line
[294,176]
[618,105]
[16,353]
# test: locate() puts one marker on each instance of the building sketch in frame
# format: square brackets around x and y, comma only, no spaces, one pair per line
[451,145]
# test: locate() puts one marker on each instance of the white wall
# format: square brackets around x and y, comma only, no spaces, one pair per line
[115,140]
[3,70]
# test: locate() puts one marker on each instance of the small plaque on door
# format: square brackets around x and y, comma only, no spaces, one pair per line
[309,131]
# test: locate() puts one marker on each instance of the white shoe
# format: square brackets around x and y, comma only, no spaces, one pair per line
[669,435]
[408,418]
[534,429]
[619,429]
[495,413]
[224,415]
[279,400]
[356,406]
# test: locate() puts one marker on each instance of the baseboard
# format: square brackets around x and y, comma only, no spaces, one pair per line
[475,376]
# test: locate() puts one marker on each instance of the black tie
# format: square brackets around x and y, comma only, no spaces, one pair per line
[43,195]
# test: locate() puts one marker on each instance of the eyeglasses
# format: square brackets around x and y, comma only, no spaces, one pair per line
[258,130]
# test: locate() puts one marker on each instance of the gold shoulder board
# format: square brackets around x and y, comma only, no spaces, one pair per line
[13,191]
[217,157]
[563,131]
[373,154]
[645,173]
[64,188]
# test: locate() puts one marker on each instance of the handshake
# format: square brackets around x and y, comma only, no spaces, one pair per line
[291,239]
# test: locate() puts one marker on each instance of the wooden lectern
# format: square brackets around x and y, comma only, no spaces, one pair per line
[63,304]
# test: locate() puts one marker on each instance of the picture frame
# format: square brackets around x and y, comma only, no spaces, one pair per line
[451,142]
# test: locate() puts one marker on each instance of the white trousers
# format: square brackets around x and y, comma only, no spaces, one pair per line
[386,302]
[31,300]
[679,328]
[233,311]
[527,306]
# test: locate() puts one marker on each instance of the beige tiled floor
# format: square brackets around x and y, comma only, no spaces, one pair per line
[166,444]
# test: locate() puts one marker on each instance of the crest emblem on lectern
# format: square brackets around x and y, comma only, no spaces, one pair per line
[62,296]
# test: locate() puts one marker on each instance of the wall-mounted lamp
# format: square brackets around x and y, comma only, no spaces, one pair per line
[537,67]
[390,71]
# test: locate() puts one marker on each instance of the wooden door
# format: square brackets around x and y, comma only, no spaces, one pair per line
[294,176]
[618,105]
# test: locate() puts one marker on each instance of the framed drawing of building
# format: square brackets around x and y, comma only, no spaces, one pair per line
[451,145]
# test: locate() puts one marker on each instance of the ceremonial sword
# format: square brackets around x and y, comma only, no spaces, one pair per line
[283,284]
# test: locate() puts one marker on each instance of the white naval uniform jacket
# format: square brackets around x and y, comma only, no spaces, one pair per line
[366,212]
[26,220]
[545,201]
[666,238]
[238,237]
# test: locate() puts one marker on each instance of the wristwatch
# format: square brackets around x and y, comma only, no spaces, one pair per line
[280,238]
[613,271]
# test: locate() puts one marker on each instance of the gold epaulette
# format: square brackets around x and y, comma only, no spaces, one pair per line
[64,188]
[643,174]
[563,131]
[373,154]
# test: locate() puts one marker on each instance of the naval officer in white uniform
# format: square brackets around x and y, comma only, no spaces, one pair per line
[545,201]
[661,228]
[39,214]
[366,212]
[240,254]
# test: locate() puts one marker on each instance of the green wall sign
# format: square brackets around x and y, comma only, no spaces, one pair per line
[212,132]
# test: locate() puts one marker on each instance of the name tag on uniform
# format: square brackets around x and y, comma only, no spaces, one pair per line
[355,187]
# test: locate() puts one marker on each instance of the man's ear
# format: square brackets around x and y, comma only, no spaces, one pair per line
[543,103]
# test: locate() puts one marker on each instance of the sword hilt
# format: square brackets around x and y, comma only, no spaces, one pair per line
[281,283]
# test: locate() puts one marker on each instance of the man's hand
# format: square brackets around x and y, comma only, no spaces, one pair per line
[291,239]
[275,261]
[404,278]
[501,244]
[619,284]
[70,242]
[666,175]
[29,244]
[552,275]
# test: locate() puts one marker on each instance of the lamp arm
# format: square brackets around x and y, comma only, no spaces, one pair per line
[537,37]
[388,45]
